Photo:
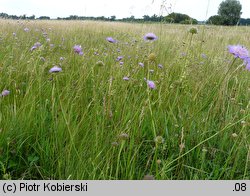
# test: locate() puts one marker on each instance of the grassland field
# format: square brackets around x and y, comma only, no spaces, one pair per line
[99,119]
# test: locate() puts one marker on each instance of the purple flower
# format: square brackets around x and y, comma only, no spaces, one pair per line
[78,49]
[5,93]
[238,51]
[62,58]
[26,29]
[126,78]
[247,62]
[121,63]
[45,34]
[55,69]
[141,64]
[150,37]
[203,56]
[35,46]
[111,40]
[151,84]
[160,66]
[119,58]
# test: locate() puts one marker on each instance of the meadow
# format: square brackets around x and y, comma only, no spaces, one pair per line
[118,107]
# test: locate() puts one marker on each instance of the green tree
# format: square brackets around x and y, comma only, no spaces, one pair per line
[146,18]
[112,18]
[215,20]
[230,12]
[180,18]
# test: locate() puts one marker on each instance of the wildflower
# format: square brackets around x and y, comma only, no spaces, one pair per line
[238,51]
[35,46]
[62,58]
[151,71]
[121,63]
[160,66]
[234,135]
[247,62]
[126,78]
[111,40]
[141,64]
[99,63]
[119,58]
[193,30]
[123,136]
[150,37]
[78,49]
[158,161]
[45,34]
[152,57]
[151,84]
[32,48]
[203,56]
[55,69]
[243,122]
[26,29]
[14,34]
[159,140]
[5,93]
[114,144]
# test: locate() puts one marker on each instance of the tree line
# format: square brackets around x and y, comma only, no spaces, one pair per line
[229,13]
[171,18]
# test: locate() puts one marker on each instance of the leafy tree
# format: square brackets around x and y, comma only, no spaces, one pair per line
[4,15]
[230,12]
[112,18]
[132,18]
[215,20]
[180,18]
[31,17]
[45,18]
[244,21]
[146,18]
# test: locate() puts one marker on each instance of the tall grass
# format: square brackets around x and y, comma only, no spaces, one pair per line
[86,122]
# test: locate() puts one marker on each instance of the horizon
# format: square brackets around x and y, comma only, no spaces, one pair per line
[120,9]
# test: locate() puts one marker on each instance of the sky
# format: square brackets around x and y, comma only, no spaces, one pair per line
[198,9]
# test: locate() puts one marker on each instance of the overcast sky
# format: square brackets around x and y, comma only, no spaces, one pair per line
[120,8]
